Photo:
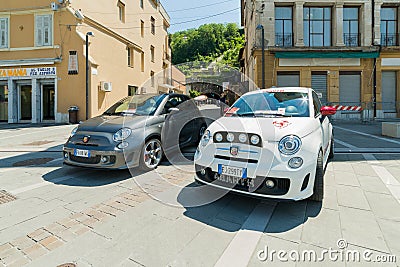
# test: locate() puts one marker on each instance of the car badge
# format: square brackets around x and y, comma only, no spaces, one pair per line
[86,139]
[234,150]
[281,124]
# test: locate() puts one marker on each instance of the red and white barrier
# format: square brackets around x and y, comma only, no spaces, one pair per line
[348,108]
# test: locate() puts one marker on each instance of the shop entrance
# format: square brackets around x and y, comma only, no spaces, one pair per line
[48,94]
[3,102]
[25,102]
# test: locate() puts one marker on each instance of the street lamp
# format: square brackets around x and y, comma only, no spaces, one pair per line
[259,26]
[87,73]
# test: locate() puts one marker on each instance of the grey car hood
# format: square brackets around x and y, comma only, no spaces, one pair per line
[112,124]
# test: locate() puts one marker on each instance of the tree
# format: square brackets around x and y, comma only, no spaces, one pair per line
[210,42]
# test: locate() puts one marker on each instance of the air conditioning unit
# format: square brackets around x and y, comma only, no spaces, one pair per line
[106,86]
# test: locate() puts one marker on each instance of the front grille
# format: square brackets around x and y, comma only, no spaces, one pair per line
[91,160]
[236,159]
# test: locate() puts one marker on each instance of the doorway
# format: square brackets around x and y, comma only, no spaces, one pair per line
[3,102]
[25,102]
[48,94]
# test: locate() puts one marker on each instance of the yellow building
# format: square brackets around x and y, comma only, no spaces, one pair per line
[43,55]
[348,51]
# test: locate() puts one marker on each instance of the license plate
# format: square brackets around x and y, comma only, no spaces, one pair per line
[249,182]
[82,153]
[232,171]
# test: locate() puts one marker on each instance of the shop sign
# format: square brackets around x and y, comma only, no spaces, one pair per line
[28,72]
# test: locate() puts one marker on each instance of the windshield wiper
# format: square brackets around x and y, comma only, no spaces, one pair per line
[260,114]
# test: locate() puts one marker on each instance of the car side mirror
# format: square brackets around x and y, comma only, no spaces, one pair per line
[327,110]
[172,109]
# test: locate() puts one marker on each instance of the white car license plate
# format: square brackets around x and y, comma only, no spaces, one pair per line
[82,153]
[232,171]
[249,182]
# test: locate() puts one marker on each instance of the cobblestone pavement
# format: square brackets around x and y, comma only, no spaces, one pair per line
[62,214]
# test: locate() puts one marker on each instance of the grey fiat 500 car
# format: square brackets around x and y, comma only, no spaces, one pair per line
[129,134]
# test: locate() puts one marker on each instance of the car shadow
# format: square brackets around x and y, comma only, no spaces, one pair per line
[84,177]
[230,212]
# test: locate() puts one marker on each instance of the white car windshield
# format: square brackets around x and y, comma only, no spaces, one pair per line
[271,104]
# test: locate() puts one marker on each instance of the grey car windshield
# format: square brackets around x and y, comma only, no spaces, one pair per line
[141,105]
[266,104]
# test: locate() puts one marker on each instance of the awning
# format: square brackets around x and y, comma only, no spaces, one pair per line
[312,54]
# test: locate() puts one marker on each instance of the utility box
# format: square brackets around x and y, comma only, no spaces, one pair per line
[391,129]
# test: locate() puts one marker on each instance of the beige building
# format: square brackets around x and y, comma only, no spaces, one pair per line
[331,46]
[43,55]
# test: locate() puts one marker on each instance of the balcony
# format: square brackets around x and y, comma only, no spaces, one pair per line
[284,40]
[351,39]
[390,39]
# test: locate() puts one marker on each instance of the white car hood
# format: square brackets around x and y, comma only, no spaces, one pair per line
[270,129]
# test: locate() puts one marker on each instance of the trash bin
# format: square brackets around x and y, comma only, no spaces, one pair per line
[73,114]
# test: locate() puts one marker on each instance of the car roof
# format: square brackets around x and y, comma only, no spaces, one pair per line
[281,89]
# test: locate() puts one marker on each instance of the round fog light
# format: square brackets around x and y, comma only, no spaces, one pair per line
[123,145]
[270,183]
[295,162]
[104,159]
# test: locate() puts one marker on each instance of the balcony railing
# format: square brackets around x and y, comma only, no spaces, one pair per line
[284,40]
[351,39]
[391,39]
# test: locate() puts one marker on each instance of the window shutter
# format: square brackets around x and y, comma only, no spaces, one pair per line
[39,30]
[3,32]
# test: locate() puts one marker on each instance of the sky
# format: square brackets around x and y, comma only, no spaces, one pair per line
[184,11]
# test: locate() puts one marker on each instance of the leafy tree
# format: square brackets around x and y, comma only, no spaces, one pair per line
[210,42]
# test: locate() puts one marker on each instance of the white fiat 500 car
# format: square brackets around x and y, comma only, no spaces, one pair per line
[271,143]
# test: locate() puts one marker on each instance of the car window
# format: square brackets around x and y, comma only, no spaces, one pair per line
[317,104]
[142,105]
[291,104]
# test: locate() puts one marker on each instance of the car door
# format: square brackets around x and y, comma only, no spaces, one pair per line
[323,120]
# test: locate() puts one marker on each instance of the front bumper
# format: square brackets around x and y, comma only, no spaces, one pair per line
[262,164]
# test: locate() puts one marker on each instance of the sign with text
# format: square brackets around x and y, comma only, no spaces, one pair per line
[28,72]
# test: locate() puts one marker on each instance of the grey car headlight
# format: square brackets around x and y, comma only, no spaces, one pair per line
[73,132]
[122,134]
[289,145]
[205,138]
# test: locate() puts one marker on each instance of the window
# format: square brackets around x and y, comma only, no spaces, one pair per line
[44,30]
[153,25]
[317,26]
[130,56]
[142,62]
[132,90]
[283,26]
[121,11]
[142,28]
[317,104]
[152,78]
[351,35]
[152,53]
[389,26]
[3,32]
[141,3]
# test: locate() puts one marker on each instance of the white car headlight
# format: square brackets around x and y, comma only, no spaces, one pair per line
[289,145]
[218,137]
[254,139]
[230,137]
[122,134]
[73,132]
[243,138]
[205,138]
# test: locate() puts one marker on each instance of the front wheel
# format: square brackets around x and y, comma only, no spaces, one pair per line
[318,194]
[151,155]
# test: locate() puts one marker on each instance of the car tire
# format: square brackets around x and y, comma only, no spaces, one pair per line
[150,155]
[318,194]
[332,150]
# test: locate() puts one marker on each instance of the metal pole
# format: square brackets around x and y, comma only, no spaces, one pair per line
[262,58]
[374,72]
[87,76]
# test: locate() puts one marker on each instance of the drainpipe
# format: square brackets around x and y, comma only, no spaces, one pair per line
[373,42]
